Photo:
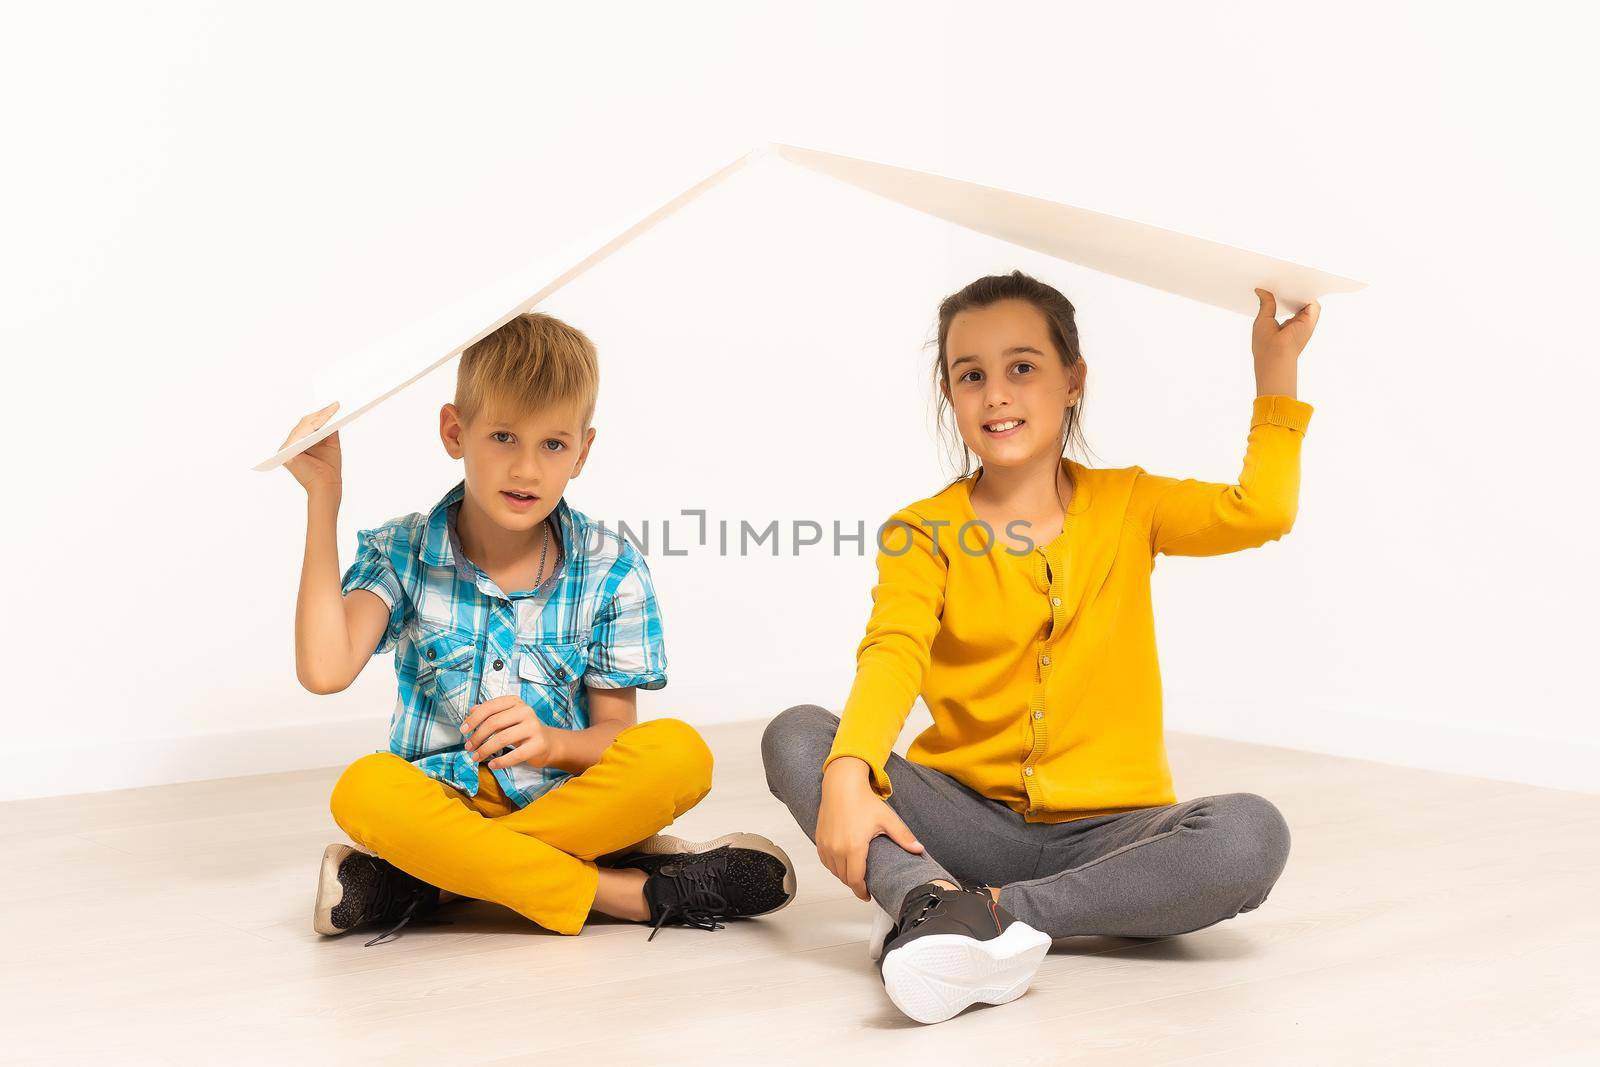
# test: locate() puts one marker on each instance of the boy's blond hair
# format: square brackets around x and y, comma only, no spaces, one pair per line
[531,363]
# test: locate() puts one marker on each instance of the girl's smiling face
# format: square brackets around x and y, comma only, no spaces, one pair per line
[1006,383]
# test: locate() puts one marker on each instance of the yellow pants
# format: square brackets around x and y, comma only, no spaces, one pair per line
[537,860]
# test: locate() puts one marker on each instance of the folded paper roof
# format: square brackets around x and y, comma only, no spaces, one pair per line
[1177,263]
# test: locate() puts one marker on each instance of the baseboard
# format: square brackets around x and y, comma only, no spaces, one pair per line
[1450,747]
[34,771]
[133,762]
[125,764]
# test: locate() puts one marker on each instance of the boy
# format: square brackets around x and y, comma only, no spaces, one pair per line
[517,770]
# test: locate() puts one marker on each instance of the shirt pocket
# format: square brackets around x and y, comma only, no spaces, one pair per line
[551,677]
[445,660]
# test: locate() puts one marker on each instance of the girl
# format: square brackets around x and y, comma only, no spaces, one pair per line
[1016,602]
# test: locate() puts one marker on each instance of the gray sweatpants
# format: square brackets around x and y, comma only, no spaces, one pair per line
[1150,872]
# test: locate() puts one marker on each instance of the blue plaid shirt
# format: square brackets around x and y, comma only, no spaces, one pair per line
[459,640]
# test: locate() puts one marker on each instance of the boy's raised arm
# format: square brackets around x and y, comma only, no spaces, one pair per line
[334,634]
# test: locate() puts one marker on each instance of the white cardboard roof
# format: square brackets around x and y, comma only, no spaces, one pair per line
[1174,262]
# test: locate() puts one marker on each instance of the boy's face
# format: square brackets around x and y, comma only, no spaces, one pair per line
[517,469]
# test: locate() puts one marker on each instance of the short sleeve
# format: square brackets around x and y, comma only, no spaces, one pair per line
[374,570]
[626,646]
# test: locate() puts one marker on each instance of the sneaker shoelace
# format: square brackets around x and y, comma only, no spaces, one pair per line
[693,900]
[930,902]
[399,897]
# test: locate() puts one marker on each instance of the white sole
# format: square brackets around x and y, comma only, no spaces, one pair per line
[330,891]
[935,978]
[666,844]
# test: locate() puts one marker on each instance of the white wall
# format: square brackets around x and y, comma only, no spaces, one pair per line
[206,207]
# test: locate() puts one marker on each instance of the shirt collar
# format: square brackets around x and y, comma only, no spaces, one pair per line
[439,548]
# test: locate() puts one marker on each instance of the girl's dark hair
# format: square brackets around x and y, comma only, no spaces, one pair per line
[1059,315]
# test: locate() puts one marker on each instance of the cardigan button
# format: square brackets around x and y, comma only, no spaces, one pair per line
[1055,601]
[1045,660]
[1038,715]
[1028,771]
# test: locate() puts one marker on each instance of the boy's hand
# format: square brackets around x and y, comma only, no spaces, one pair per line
[503,721]
[318,468]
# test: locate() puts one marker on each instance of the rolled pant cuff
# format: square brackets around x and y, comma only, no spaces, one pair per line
[567,916]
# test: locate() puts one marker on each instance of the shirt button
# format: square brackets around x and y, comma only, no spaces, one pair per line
[499,663]
[1038,715]
[431,653]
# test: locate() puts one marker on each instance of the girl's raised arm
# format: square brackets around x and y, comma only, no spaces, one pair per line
[1195,518]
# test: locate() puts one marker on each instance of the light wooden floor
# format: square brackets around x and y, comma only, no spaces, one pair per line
[1423,918]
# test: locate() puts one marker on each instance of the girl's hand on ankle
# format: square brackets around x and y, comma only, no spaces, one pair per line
[851,815]
[495,724]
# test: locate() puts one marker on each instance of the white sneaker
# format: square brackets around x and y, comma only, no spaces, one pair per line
[953,948]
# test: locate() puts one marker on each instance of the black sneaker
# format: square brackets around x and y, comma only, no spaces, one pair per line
[953,948]
[355,888]
[702,883]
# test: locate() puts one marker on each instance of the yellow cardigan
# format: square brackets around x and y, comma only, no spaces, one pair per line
[1040,667]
